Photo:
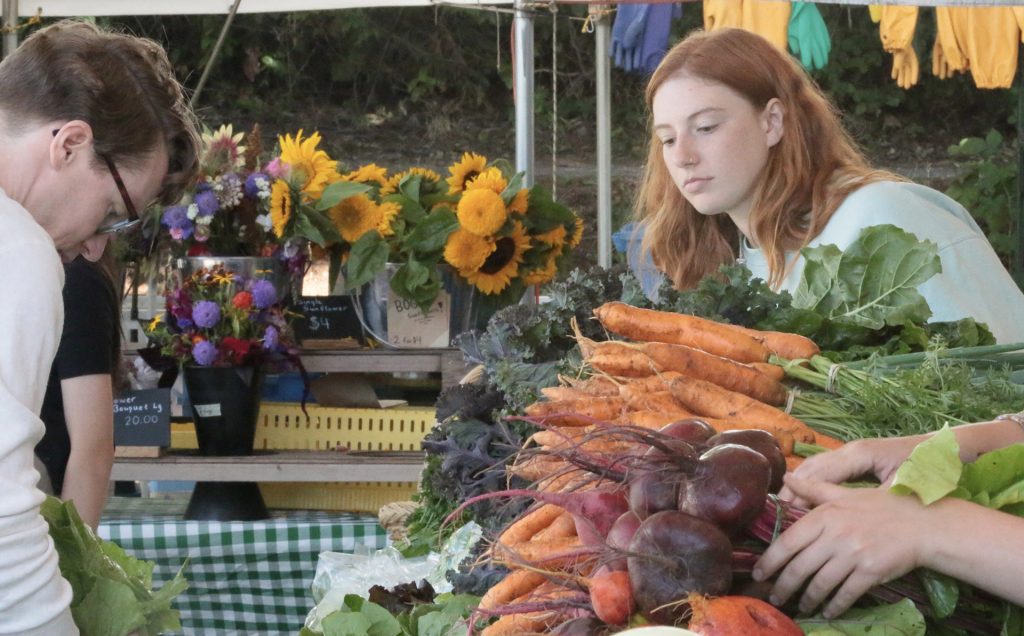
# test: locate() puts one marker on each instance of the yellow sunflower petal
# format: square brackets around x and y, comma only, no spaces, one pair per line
[465,169]
[355,216]
[388,211]
[311,167]
[521,202]
[466,251]
[489,179]
[481,212]
[280,206]
[502,266]
[370,173]
[544,273]
[554,237]
[577,233]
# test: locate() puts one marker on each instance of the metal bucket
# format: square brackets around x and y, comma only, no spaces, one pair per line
[373,300]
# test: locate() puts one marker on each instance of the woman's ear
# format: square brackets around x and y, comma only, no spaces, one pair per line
[773,121]
[70,142]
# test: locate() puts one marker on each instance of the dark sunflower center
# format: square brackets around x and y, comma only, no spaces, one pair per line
[472,174]
[504,250]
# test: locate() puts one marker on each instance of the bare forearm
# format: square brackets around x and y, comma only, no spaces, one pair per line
[977,545]
[86,481]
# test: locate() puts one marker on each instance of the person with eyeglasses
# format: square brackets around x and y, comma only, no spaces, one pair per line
[93,127]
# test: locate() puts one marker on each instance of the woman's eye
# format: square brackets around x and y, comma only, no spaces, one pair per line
[667,142]
[705,129]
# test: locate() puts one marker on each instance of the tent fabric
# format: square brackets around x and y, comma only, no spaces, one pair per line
[59,8]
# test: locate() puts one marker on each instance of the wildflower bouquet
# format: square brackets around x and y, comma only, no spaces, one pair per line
[497,235]
[241,206]
[216,318]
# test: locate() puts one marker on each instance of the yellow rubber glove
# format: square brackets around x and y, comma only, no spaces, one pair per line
[940,67]
[1018,12]
[905,68]
[992,41]
[722,13]
[767,18]
[875,11]
[953,53]
[896,27]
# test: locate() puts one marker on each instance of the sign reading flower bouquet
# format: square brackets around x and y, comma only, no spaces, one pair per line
[498,236]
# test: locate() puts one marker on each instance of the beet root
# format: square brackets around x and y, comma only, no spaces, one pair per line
[764,443]
[672,555]
[653,492]
[692,430]
[730,487]
[730,615]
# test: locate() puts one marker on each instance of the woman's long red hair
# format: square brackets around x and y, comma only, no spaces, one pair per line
[809,172]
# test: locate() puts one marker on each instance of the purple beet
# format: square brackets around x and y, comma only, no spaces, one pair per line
[729,487]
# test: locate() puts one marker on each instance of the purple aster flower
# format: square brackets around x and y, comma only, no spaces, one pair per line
[207,203]
[253,184]
[206,313]
[263,294]
[175,218]
[204,352]
[271,338]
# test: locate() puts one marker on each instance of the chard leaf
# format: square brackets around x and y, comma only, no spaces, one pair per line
[897,619]
[873,283]
[932,470]
[995,479]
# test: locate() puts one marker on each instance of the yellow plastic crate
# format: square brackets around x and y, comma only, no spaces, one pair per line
[356,496]
[183,436]
[283,426]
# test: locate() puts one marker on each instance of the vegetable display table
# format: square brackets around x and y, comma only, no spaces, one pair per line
[244,577]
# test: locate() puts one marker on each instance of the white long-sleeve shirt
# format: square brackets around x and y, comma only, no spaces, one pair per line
[34,598]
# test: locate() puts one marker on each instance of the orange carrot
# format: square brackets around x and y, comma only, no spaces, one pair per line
[711,400]
[653,419]
[515,584]
[554,393]
[773,371]
[579,412]
[649,384]
[529,524]
[620,360]
[535,467]
[657,401]
[611,596]
[649,325]
[827,441]
[793,461]
[594,385]
[564,525]
[724,372]
[552,553]
[730,615]
[786,345]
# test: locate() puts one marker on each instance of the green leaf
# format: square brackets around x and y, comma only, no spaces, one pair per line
[346,624]
[515,184]
[995,479]
[873,283]
[382,623]
[432,233]
[943,591]
[418,283]
[303,227]
[110,608]
[368,257]
[545,213]
[338,192]
[410,186]
[897,619]
[412,211]
[932,470]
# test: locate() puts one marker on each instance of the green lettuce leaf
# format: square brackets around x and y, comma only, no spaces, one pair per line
[996,479]
[873,283]
[932,470]
[897,619]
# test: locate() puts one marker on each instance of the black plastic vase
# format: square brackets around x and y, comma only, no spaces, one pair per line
[225,404]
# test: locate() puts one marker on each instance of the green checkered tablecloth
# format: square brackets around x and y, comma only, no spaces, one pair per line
[244,577]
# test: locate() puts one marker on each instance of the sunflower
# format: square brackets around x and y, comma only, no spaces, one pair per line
[466,251]
[481,212]
[280,206]
[355,216]
[370,173]
[391,185]
[577,233]
[490,179]
[521,202]
[502,265]
[544,273]
[312,167]
[555,237]
[426,173]
[153,324]
[465,169]
[387,211]
[221,150]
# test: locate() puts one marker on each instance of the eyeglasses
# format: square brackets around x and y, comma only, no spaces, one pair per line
[120,225]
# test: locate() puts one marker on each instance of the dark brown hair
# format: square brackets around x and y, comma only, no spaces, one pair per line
[809,172]
[122,86]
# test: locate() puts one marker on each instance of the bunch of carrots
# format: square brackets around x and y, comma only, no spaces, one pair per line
[668,367]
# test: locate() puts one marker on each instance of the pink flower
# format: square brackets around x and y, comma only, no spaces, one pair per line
[276,168]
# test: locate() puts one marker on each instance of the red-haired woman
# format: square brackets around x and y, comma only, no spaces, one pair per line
[748,159]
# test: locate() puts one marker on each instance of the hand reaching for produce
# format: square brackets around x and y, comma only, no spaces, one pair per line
[838,548]
[878,458]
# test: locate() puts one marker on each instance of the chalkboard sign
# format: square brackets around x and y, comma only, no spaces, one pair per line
[327,318]
[143,418]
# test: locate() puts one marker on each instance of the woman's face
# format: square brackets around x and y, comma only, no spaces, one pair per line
[715,143]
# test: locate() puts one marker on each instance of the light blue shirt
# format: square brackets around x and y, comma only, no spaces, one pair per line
[973,282]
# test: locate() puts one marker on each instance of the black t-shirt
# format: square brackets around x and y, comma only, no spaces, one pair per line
[88,346]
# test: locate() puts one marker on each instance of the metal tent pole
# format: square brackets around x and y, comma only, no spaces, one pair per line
[523,83]
[1018,257]
[603,38]
[216,51]
[10,8]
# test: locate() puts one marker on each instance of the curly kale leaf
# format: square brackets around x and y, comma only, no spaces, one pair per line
[469,401]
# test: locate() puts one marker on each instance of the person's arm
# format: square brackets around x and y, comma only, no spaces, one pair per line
[855,539]
[88,411]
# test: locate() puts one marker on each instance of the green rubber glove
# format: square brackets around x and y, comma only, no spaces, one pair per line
[808,36]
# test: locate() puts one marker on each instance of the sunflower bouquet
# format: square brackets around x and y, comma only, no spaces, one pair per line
[497,235]
[245,205]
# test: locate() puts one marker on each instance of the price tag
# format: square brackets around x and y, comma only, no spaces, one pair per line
[408,326]
[143,418]
[327,318]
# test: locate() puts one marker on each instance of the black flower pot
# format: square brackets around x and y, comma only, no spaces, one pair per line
[225,404]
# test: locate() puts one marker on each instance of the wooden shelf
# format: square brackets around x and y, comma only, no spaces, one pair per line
[273,466]
[448,362]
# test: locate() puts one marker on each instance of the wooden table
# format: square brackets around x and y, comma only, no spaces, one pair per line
[289,466]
